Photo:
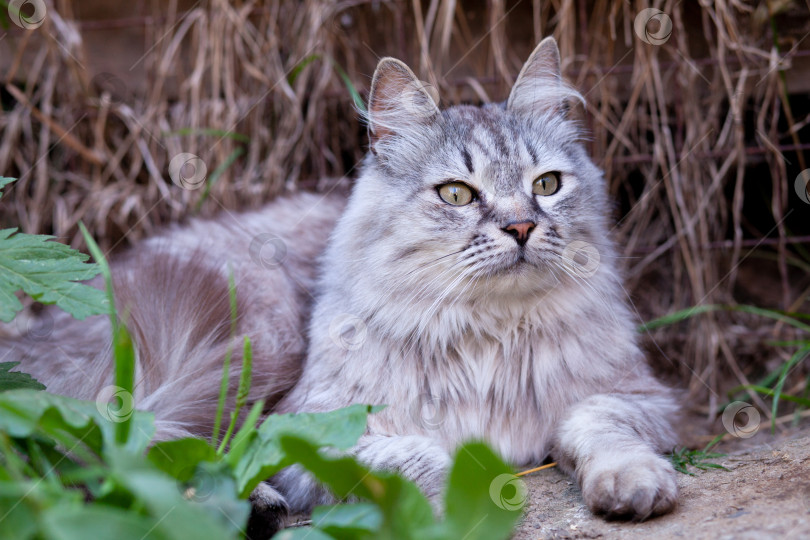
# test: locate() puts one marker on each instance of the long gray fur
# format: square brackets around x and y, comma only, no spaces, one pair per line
[429,308]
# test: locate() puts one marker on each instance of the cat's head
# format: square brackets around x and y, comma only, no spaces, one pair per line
[502,196]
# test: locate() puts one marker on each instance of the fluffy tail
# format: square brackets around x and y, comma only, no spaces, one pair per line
[176,306]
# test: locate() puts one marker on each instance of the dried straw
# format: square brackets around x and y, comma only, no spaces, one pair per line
[676,126]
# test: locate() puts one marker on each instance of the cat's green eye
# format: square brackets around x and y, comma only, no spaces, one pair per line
[456,193]
[546,184]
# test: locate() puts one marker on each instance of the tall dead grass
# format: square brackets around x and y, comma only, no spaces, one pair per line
[679,128]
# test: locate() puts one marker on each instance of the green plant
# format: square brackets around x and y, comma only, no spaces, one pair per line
[72,469]
[49,272]
[222,167]
[682,458]
[772,384]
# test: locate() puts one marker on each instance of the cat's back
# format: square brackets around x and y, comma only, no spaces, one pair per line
[172,292]
[287,234]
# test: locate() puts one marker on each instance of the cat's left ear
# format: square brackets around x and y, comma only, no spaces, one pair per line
[539,87]
[398,101]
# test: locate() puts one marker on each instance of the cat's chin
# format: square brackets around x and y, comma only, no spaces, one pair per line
[522,275]
[518,263]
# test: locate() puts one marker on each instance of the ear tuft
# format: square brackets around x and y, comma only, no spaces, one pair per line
[398,101]
[540,87]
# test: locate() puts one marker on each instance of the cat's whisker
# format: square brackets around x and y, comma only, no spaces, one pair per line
[414,299]
[428,314]
[426,286]
[436,260]
[582,280]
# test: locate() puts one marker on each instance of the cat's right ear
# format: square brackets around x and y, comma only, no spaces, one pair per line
[540,87]
[398,102]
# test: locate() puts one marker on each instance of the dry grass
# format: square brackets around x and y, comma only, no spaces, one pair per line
[681,129]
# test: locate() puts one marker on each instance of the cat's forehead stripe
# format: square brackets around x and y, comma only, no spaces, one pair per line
[530,149]
[467,160]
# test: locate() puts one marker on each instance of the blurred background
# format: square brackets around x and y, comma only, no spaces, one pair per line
[697,112]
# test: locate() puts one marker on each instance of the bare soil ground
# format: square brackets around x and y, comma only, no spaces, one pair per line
[764,494]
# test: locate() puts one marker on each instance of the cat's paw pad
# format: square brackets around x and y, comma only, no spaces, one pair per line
[633,487]
[268,512]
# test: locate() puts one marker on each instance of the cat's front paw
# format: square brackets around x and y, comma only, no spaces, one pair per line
[635,486]
[268,512]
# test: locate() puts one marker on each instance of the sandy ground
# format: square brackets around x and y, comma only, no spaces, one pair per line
[764,494]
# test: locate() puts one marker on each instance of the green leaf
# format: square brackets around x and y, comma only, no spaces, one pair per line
[299,67]
[681,458]
[10,380]
[26,413]
[785,317]
[358,101]
[100,522]
[406,512]
[206,507]
[222,134]
[241,393]
[214,176]
[4,181]
[348,521]
[264,456]
[179,458]
[226,365]
[123,349]
[124,359]
[302,533]
[104,269]
[246,434]
[484,498]
[678,316]
[770,393]
[48,272]
[22,501]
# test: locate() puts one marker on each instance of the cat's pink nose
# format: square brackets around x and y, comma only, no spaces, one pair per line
[520,231]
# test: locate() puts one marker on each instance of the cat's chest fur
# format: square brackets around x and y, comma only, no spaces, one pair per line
[505,380]
[483,388]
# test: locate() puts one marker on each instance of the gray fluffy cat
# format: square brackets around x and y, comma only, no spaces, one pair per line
[470,284]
